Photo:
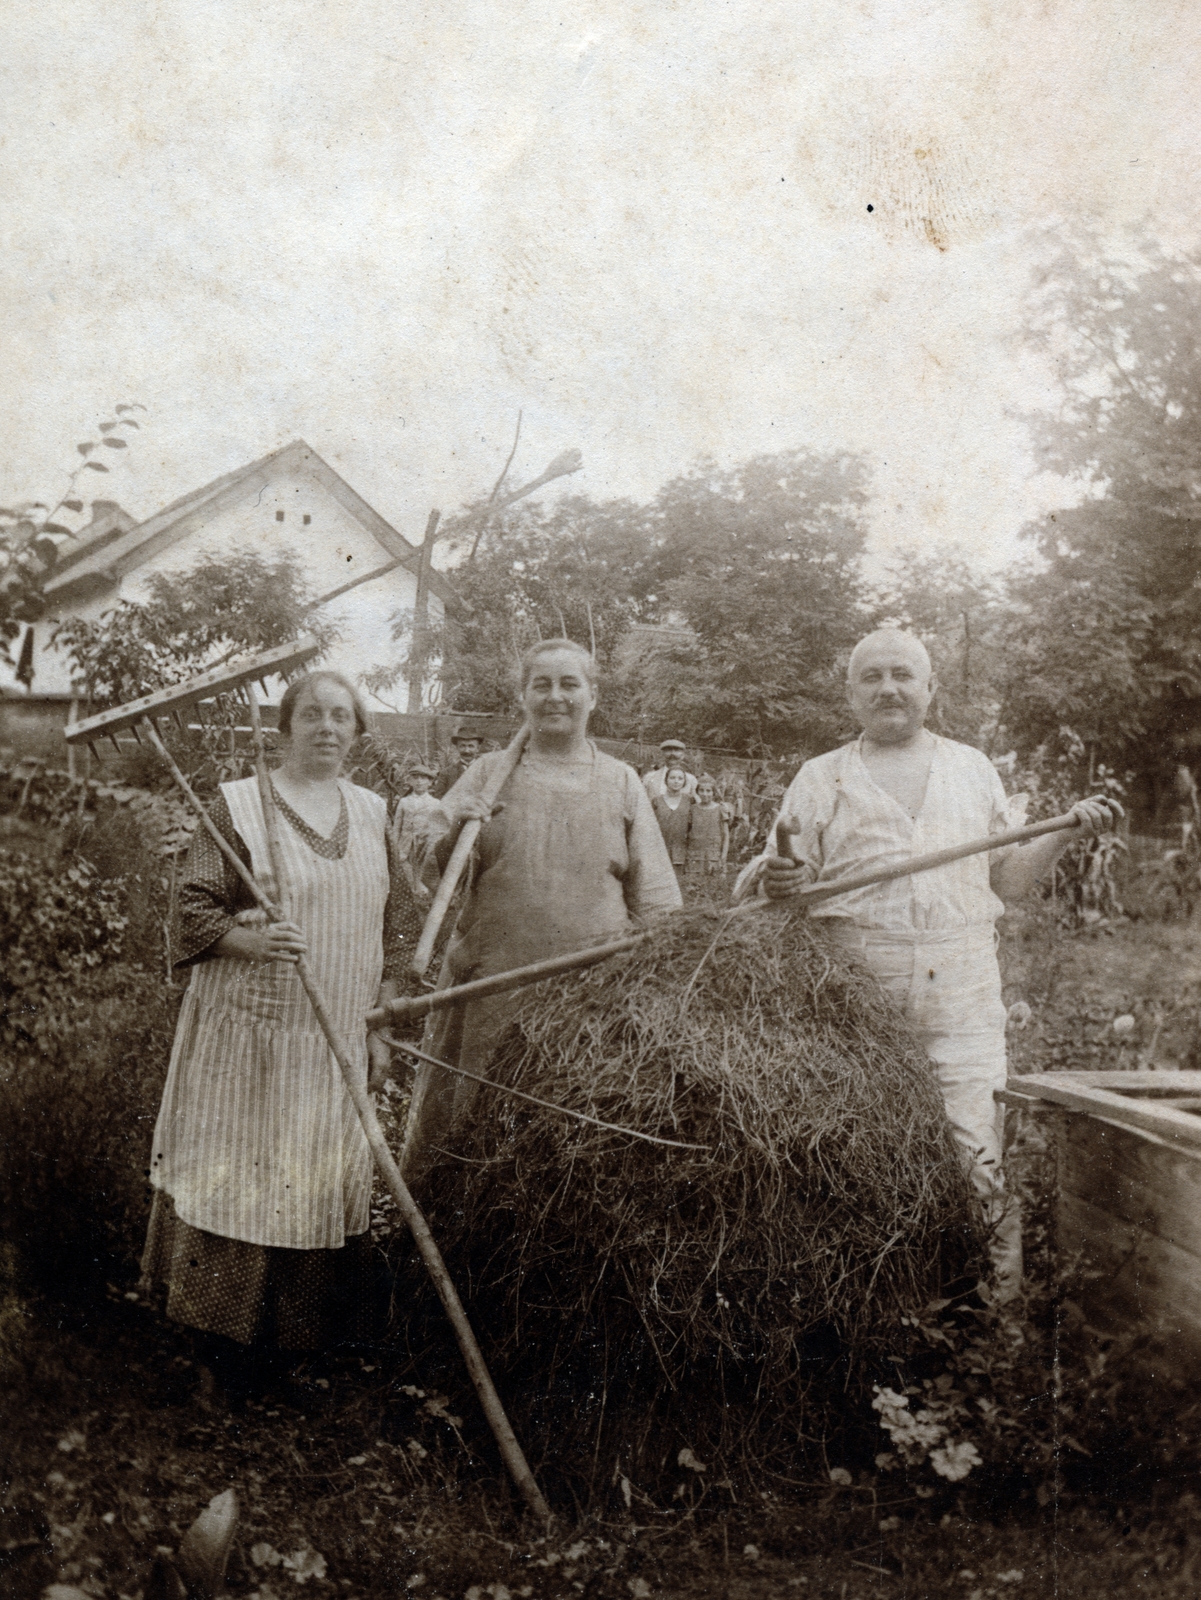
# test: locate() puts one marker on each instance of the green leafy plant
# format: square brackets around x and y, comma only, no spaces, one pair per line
[30,539]
[55,928]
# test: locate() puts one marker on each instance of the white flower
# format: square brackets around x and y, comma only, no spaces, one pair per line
[955,1461]
[1123,1026]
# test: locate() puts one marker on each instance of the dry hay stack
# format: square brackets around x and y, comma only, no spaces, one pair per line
[818,1214]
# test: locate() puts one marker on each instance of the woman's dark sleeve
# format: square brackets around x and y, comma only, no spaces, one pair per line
[210,893]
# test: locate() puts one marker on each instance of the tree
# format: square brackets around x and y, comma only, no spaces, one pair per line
[761,562]
[1107,638]
[746,582]
[576,568]
[191,621]
[30,539]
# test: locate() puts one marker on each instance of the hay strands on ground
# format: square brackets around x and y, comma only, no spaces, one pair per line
[410,1007]
[239,677]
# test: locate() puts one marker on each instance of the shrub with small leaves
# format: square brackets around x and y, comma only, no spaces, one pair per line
[56,924]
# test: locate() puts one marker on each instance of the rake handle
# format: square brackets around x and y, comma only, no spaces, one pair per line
[498,1421]
[461,853]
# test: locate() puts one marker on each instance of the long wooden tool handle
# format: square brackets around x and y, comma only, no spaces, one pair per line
[510,1449]
[813,893]
[937,858]
[409,1007]
[461,853]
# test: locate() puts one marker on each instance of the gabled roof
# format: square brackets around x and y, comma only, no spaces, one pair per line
[109,522]
[103,563]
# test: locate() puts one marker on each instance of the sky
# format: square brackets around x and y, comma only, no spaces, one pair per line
[661,231]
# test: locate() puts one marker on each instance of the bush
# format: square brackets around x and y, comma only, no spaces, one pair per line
[77,1115]
[85,1036]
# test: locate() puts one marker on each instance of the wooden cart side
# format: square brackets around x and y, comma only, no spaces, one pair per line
[1129,1203]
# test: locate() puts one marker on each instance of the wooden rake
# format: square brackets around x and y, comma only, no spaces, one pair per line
[140,716]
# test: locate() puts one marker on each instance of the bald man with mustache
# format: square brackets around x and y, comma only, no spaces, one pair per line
[896,792]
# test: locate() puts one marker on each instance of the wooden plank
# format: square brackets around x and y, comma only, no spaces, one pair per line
[1138,1179]
[1144,1282]
[1188,1082]
[1177,1127]
[221,680]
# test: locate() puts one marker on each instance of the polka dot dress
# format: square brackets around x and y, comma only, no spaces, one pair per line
[260,1294]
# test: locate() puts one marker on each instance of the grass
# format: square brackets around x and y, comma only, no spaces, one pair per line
[112,1459]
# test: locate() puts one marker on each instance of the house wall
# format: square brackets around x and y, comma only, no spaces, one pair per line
[333,546]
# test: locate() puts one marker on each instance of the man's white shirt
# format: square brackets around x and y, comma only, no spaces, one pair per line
[848,824]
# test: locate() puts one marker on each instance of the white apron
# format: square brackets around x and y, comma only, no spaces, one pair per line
[257,1138]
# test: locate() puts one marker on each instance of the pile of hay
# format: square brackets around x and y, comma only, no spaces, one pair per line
[827,1201]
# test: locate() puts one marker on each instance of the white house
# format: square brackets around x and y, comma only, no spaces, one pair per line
[290,500]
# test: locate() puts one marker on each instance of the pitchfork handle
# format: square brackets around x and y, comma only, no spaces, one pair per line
[461,853]
[785,829]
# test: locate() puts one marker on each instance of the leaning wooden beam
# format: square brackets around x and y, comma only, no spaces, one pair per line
[1177,1127]
[1146,1081]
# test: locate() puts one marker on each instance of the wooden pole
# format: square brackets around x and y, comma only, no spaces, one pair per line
[414,1006]
[461,853]
[421,606]
[815,893]
[511,1451]
[409,1008]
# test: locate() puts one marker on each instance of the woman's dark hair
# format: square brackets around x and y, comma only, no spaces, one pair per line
[545,646]
[295,689]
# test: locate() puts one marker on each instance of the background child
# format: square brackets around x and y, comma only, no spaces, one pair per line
[709,831]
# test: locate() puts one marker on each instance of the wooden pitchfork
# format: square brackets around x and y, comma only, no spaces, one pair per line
[140,716]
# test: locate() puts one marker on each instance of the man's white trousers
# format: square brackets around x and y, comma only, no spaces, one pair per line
[948,984]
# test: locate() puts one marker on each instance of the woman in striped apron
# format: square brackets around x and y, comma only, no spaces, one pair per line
[261,1171]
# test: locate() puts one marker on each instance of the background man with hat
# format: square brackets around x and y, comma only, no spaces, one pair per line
[467,747]
[655,783]
[416,826]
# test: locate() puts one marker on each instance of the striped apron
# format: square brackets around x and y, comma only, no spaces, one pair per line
[257,1138]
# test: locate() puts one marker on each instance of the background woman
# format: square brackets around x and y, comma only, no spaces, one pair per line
[673,812]
[571,857]
[259,1225]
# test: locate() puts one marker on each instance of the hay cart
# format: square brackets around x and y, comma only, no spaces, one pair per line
[1128,1198]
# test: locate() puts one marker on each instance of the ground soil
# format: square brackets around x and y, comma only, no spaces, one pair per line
[363,1483]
